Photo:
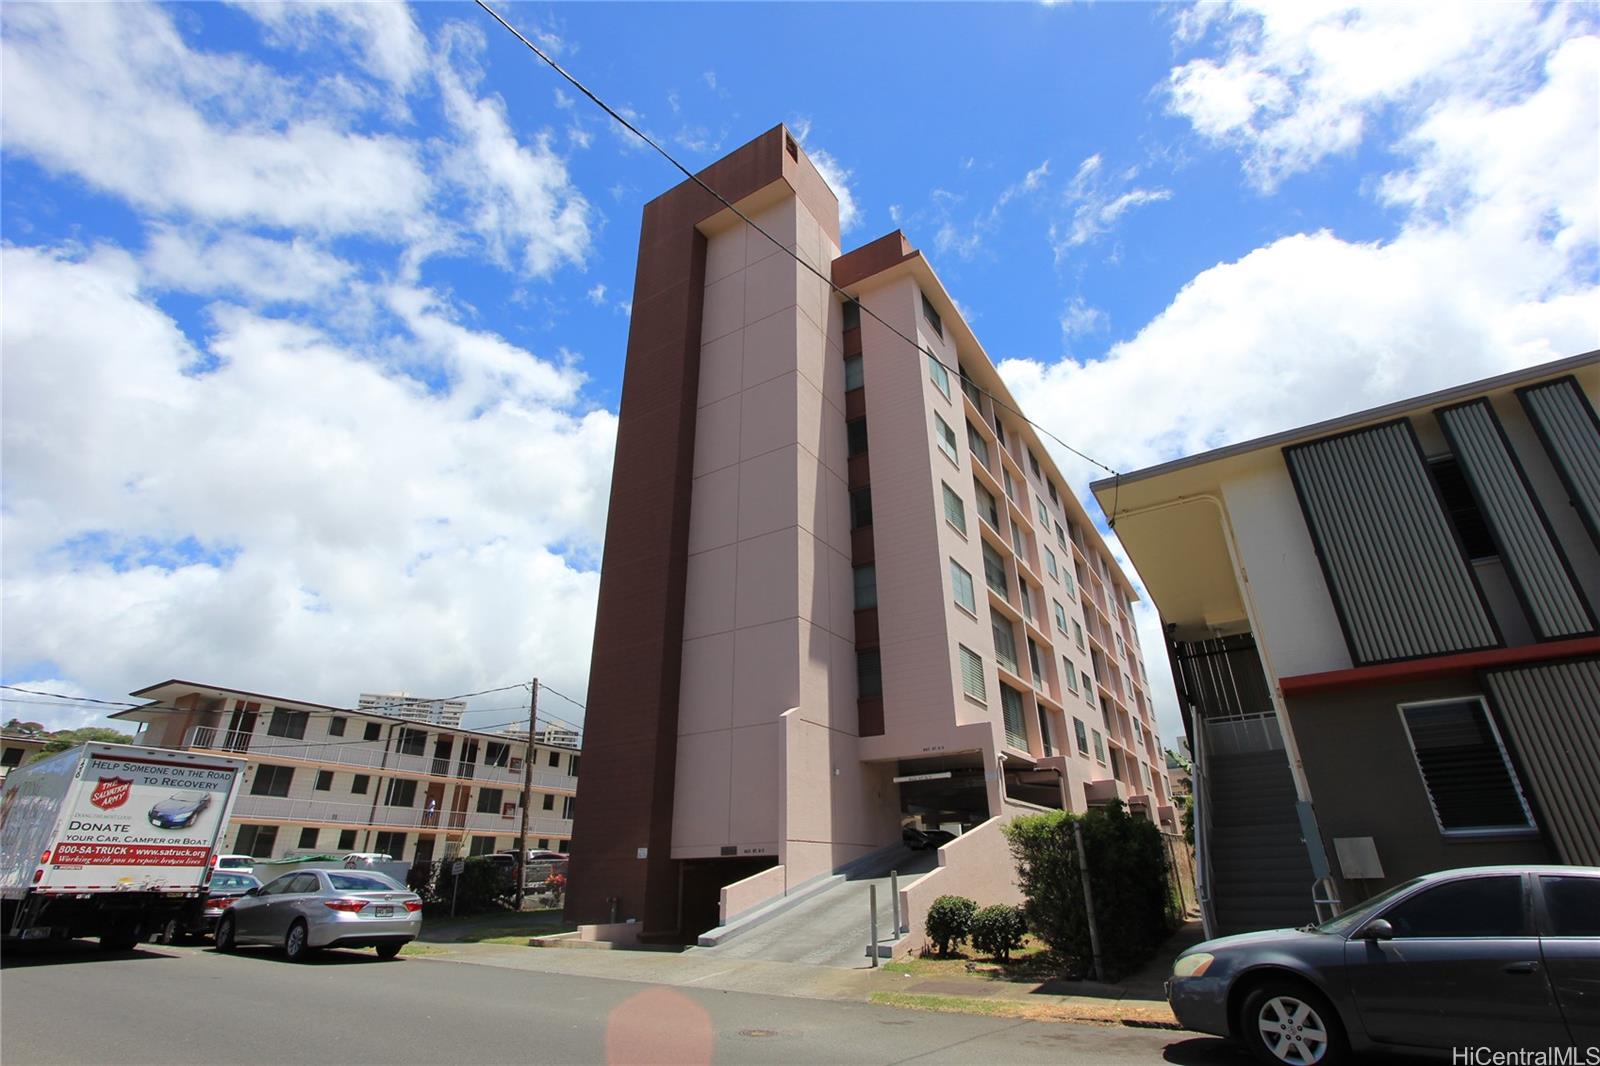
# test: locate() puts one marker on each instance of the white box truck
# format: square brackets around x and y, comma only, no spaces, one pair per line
[112,841]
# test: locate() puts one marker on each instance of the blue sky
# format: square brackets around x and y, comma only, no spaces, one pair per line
[315,314]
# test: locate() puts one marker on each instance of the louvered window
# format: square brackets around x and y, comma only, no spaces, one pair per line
[954,510]
[961,583]
[972,674]
[994,570]
[979,446]
[1005,641]
[1469,780]
[1011,711]
[988,507]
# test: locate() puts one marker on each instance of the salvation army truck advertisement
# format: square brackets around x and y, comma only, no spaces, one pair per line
[140,823]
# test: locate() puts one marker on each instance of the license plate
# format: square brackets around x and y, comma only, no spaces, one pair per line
[383,910]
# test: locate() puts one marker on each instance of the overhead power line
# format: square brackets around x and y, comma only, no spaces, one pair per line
[826,279]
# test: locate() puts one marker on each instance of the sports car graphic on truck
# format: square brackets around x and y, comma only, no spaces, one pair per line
[179,810]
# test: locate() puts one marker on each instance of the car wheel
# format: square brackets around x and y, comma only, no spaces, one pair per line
[389,951]
[295,947]
[171,932]
[1291,1023]
[224,935]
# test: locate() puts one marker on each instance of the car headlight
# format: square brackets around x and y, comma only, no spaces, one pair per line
[1193,965]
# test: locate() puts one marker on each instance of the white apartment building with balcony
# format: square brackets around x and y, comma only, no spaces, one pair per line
[414,708]
[328,779]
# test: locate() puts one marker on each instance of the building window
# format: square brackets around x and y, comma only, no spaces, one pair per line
[1050,562]
[852,373]
[549,802]
[568,805]
[359,783]
[1463,509]
[1055,497]
[979,446]
[1008,483]
[1061,615]
[861,507]
[1044,730]
[1082,735]
[11,757]
[481,846]
[939,376]
[852,315]
[869,674]
[988,506]
[347,839]
[572,763]
[1464,768]
[1033,464]
[946,439]
[308,837]
[1027,599]
[933,317]
[961,581]
[489,800]
[390,844]
[994,569]
[955,512]
[1035,664]
[855,436]
[1005,641]
[972,673]
[970,387]
[1070,673]
[1061,539]
[1066,579]
[496,754]
[1044,512]
[866,587]
[336,725]
[291,724]
[411,742]
[555,759]
[372,731]
[324,781]
[1088,687]
[1077,633]
[1011,713]
[271,780]
[544,843]
[1099,748]
[402,792]
[999,430]
[256,841]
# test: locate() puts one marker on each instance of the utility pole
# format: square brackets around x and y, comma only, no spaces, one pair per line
[527,798]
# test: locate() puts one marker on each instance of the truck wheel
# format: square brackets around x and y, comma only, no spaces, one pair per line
[225,941]
[295,948]
[123,938]
[172,932]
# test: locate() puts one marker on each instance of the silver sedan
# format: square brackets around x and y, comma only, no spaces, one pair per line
[312,909]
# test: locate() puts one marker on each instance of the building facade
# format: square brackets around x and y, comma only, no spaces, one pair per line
[845,589]
[405,705]
[326,779]
[1383,633]
[16,747]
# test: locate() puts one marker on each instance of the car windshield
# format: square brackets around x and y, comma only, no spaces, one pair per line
[1347,922]
[231,881]
[361,882]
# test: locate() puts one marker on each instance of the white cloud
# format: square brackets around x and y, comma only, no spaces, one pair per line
[710,78]
[111,93]
[1098,202]
[597,295]
[525,206]
[238,523]
[838,178]
[1078,318]
[384,37]
[233,263]
[1298,82]
[968,242]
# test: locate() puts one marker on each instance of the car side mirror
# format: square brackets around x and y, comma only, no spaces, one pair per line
[252,892]
[1377,929]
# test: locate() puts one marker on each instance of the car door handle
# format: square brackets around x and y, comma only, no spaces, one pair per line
[1521,967]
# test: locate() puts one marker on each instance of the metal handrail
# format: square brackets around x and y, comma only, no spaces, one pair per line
[1328,898]
[1202,833]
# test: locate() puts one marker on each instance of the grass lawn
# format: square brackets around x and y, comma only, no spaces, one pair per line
[499,927]
[1032,963]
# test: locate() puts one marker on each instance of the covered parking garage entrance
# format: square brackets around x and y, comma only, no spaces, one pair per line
[949,792]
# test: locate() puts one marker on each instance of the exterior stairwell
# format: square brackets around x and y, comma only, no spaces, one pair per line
[1261,877]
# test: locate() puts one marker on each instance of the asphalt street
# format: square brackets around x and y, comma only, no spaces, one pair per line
[74,1004]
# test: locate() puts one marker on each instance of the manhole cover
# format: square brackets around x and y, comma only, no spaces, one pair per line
[758,1032]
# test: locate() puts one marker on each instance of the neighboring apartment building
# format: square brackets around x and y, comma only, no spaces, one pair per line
[325,779]
[16,747]
[1383,631]
[845,589]
[405,705]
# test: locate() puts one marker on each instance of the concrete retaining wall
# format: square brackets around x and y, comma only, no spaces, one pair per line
[976,864]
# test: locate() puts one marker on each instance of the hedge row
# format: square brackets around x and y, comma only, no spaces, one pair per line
[996,931]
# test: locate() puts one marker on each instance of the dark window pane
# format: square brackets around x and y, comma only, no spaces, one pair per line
[358,784]
[1463,768]
[324,780]
[852,315]
[308,837]
[932,316]
[869,674]
[1463,509]
[1573,904]
[853,373]
[291,724]
[372,731]
[336,726]
[1476,906]
[860,508]
[347,839]
[855,432]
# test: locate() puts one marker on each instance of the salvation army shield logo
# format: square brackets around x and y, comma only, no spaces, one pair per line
[111,792]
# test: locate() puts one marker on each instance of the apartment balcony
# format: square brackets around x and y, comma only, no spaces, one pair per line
[289,809]
[367,757]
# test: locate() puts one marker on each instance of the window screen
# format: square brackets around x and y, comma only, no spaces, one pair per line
[1464,769]
[972,673]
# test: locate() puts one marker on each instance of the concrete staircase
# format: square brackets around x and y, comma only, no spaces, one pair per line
[1260,875]
[829,927]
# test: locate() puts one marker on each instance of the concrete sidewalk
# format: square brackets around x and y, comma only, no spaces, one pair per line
[1138,1000]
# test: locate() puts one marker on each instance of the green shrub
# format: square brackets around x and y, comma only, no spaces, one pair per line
[1128,879]
[949,920]
[997,931]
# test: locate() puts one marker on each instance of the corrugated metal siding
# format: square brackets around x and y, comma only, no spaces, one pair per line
[1396,574]
[1530,553]
[1566,424]
[1551,716]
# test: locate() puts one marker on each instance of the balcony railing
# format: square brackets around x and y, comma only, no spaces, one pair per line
[369,757]
[288,809]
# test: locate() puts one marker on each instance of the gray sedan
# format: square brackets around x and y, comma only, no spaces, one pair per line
[312,909]
[1497,957]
